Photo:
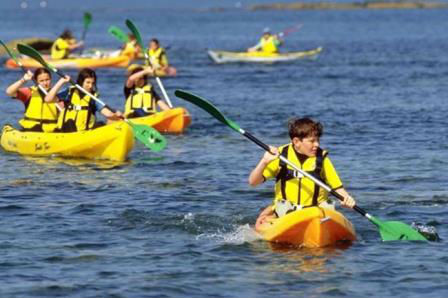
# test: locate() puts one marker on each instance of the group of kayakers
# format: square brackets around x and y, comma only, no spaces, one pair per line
[47,109]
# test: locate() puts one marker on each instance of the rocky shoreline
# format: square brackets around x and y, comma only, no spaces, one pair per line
[347,6]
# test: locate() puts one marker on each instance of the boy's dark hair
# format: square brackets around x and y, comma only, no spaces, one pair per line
[304,127]
[138,69]
[67,34]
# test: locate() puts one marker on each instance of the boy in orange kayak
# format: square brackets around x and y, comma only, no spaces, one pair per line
[292,190]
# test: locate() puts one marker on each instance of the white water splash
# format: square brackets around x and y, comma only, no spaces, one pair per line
[240,235]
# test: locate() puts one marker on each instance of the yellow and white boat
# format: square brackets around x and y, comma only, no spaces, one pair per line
[227,57]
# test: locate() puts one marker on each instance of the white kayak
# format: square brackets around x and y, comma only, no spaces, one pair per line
[227,57]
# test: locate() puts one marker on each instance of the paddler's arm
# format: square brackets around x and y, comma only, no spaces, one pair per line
[114,116]
[256,176]
[133,78]
[52,94]
[13,88]
[160,102]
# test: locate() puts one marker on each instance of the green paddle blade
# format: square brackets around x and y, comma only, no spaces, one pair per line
[395,230]
[30,52]
[136,33]
[208,107]
[150,137]
[87,19]
[118,34]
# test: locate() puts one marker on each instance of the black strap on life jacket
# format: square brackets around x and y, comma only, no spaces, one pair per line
[71,107]
[286,174]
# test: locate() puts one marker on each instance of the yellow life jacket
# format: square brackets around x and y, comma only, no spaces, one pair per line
[291,186]
[158,58]
[39,113]
[78,114]
[269,45]
[59,49]
[140,98]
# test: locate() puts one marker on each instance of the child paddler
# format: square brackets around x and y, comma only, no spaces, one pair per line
[292,190]
[39,116]
[141,98]
[79,108]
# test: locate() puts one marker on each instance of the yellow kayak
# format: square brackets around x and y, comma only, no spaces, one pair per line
[309,227]
[112,142]
[171,121]
[79,62]
[227,57]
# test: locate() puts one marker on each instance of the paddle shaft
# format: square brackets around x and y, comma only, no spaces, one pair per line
[309,176]
[290,30]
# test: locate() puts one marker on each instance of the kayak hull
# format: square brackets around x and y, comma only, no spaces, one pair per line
[111,142]
[228,57]
[173,121]
[310,227]
[74,63]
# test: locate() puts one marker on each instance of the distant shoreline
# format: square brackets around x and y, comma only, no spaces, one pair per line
[349,6]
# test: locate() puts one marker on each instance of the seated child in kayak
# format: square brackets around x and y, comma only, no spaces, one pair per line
[269,43]
[158,58]
[292,190]
[64,45]
[141,98]
[79,108]
[39,115]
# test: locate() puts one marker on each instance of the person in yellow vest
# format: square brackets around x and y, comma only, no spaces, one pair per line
[131,48]
[269,43]
[39,115]
[157,56]
[292,190]
[80,109]
[64,45]
[141,98]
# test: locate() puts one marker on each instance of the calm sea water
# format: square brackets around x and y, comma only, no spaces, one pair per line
[179,223]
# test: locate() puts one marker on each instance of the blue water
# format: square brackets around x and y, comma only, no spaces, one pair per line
[179,223]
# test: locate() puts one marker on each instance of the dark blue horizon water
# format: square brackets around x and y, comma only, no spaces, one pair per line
[179,223]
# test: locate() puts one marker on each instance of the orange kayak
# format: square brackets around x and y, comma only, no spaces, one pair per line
[171,121]
[309,227]
[81,62]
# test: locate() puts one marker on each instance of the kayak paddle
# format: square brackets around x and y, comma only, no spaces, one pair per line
[87,19]
[138,37]
[150,137]
[389,230]
[290,30]
[118,34]
[14,57]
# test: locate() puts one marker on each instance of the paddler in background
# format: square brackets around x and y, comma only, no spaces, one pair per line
[292,190]
[131,48]
[269,43]
[141,98]
[39,115]
[79,108]
[64,45]
[157,56]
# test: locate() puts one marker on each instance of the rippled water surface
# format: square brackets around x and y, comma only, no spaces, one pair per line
[179,223]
